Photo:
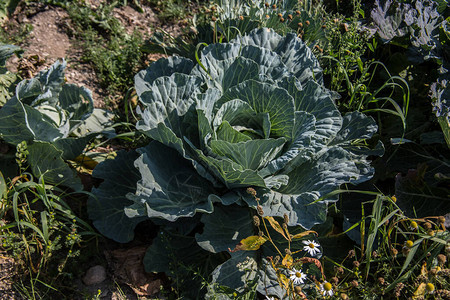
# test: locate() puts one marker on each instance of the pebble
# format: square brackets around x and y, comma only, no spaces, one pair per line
[94,275]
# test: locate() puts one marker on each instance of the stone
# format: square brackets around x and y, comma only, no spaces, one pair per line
[94,275]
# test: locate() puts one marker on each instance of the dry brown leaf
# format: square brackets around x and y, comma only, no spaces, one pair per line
[128,268]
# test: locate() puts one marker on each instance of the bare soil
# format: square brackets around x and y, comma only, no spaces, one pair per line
[50,40]
[7,274]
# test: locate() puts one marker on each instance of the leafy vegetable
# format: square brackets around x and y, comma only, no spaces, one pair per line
[7,78]
[418,22]
[251,113]
[239,17]
[57,120]
[441,107]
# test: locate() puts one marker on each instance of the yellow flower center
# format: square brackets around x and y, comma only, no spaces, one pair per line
[409,243]
[311,245]
[429,287]
[327,286]
[414,224]
[298,274]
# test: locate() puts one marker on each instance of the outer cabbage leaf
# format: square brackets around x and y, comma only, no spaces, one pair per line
[7,51]
[170,187]
[238,271]
[7,78]
[106,206]
[177,255]
[20,122]
[46,160]
[162,67]
[225,228]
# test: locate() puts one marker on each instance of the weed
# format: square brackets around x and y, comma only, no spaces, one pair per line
[398,255]
[113,53]
[40,232]
[170,10]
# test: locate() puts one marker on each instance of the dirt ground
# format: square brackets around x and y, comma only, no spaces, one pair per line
[49,41]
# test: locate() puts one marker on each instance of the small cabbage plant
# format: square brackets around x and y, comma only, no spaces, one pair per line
[252,113]
[56,120]
[439,93]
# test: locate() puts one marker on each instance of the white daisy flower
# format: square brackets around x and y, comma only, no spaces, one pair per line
[311,247]
[326,289]
[270,298]
[297,276]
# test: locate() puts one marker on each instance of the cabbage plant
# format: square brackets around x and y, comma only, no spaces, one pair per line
[56,120]
[251,113]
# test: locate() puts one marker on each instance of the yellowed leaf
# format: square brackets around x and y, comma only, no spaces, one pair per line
[420,291]
[287,261]
[86,162]
[303,234]
[423,270]
[250,243]
[275,225]
[284,281]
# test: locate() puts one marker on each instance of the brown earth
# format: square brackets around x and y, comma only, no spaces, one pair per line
[7,273]
[50,40]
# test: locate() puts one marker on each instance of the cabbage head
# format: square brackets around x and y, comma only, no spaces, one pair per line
[251,113]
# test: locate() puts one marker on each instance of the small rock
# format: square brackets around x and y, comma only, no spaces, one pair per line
[94,275]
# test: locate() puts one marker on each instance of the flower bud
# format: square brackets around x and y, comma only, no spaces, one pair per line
[286,218]
[260,210]
[344,296]
[251,191]
[351,253]
[256,221]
